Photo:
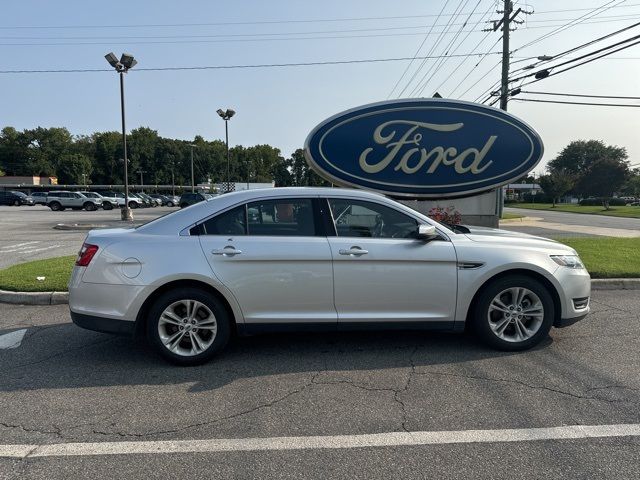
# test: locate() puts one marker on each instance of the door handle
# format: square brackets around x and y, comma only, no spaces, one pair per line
[227,251]
[353,251]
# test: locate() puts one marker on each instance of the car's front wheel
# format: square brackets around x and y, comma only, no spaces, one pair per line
[514,313]
[188,326]
[107,206]
[89,207]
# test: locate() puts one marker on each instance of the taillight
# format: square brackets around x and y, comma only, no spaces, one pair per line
[85,254]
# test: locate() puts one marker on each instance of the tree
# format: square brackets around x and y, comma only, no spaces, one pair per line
[577,157]
[556,184]
[302,174]
[603,178]
[73,167]
[632,185]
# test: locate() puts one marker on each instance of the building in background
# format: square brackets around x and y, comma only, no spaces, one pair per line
[28,181]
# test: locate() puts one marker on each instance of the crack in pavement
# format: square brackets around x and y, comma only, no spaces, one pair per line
[57,432]
[217,420]
[524,384]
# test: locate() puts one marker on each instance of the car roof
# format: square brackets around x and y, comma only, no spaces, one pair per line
[186,217]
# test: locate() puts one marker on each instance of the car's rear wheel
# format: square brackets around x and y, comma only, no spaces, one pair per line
[187,326]
[133,205]
[514,313]
[55,206]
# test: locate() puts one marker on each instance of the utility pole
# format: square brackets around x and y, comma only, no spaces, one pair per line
[508,18]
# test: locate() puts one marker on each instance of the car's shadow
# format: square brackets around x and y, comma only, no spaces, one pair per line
[64,356]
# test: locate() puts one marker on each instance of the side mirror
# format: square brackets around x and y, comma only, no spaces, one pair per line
[427,232]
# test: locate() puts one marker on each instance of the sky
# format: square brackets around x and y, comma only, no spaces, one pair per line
[280,105]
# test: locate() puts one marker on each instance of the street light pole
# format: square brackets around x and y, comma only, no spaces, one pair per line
[226,116]
[142,179]
[193,182]
[122,66]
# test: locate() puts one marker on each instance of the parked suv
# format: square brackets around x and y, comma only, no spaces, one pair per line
[15,198]
[108,202]
[191,198]
[60,200]
[39,198]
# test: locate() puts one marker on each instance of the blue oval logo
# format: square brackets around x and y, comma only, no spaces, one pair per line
[423,148]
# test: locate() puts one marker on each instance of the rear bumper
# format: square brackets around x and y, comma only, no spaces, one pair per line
[104,325]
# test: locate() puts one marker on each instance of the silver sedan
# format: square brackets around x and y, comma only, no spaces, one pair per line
[317,258]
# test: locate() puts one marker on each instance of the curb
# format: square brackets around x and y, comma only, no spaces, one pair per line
[34,298]
[60,298]
[76,226]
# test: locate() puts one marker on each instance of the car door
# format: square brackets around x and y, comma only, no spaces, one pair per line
[275,258]
[383,273]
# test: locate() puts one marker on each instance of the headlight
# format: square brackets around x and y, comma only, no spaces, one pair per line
[569,261]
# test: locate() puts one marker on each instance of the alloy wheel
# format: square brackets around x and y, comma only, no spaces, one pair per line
[187,327]
[515,314]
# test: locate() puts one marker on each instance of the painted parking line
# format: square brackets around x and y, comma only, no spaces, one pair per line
[17,245]
[31,249]
[12,339]
[390,439]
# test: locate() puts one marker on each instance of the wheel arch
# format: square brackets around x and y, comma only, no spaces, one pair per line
[557,303]
[141,318]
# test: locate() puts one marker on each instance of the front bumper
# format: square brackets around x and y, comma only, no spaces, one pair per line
[575,293]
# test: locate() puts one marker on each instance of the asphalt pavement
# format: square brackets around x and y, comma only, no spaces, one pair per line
[28,233]
[61,384]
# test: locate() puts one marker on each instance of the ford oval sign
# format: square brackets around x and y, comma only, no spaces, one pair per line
[423,148]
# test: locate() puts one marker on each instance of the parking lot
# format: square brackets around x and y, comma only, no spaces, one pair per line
[62,384]
[28,233]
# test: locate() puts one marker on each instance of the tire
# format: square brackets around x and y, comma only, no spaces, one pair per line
[209,310]
[107,206]
[133,205]
[90,207]
[169,204]
[56,206]
[497,309]
[16,203]
[183,205]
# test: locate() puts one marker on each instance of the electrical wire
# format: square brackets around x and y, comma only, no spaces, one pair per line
[440,63]
[576,103]
[433,47]
[498,40]
[229,67]
[262,22]
[417,52]
[617,97]
[591,42]
[572,23]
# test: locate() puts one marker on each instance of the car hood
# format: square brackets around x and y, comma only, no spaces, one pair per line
[497,236]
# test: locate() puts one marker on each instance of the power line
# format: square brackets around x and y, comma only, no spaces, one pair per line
[229,67]
[572,23]
[264,22]
[580,64]
[498,40]
[571,50]
[416,54]
[576,103]
[433,47]
[438,64]
[266,37]
[579,95]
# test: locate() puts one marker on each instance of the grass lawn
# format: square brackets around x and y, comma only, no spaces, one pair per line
[608,257]
[22,277]
[510,216]
[631,212]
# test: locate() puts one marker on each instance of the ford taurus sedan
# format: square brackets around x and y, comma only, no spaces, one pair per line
[325,259]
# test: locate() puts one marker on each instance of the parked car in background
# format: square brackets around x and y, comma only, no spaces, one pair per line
[12,197]
[59,200]
[39,198]
[108,203]
[165,200]
[190,198]
[134,202]
[320,258]
[152,201]
[145,202]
